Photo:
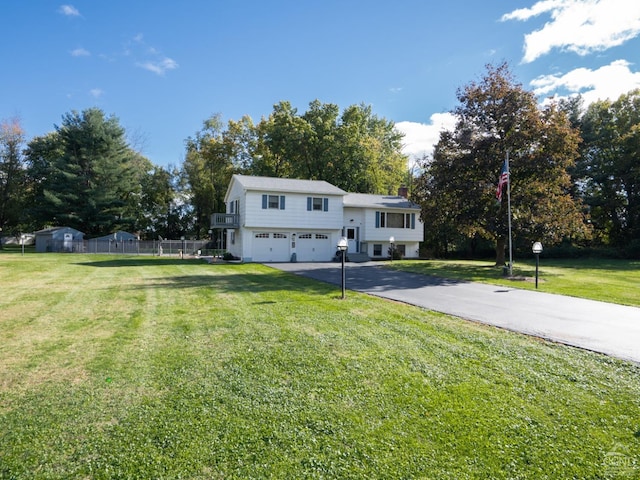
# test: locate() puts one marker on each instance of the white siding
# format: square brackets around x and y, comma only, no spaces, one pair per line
[294,216]
[381,235]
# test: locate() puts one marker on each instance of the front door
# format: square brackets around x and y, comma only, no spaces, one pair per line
[352,239]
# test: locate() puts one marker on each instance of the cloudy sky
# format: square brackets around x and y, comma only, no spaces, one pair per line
[164,67]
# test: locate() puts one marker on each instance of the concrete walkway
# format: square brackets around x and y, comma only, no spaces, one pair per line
[602,327]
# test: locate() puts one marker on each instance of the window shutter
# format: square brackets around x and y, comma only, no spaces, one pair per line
[325,204]
[413,221]
[309,201]
[264,201]
[231,207]
[377,219]
[281,202]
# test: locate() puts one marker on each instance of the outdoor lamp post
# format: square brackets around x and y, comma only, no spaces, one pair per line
[343,244]
[392,241]
[537,249]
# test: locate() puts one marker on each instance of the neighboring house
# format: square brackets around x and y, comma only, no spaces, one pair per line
[117,242]
[59,239]
[282,220]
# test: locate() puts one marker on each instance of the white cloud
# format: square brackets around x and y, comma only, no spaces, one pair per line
[96,92]
[420,138]
[80,52]
[159,67]
[579,26]
[607,82]
[69,10]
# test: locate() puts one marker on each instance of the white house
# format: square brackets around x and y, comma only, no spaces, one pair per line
[282,220]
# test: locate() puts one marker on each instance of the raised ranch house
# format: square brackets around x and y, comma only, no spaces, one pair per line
[285,220]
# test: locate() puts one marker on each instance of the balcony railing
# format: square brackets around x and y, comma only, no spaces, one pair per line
[225,220]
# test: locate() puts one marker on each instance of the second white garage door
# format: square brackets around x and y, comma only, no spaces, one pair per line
[314,247]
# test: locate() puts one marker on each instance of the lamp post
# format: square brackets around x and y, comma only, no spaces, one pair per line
[343,244]
[392,241]
[537,249]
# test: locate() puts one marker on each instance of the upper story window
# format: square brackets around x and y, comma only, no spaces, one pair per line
[317,204]
[234,206]
[395,220]
[276,202]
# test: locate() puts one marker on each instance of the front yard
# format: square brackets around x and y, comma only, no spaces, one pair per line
[114,367]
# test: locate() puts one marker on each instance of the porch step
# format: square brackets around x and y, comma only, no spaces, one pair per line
[358,257]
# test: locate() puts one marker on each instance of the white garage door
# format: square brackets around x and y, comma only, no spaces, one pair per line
[314,247]
[271,247]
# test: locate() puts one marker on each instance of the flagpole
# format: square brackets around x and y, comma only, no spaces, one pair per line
[509,214]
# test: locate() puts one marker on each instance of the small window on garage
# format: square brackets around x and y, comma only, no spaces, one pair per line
[279,235]
[262,235]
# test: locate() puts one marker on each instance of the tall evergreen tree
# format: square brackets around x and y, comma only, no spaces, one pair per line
[87,174]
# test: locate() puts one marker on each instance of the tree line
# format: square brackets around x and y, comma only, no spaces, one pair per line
[86,175]
[574,171]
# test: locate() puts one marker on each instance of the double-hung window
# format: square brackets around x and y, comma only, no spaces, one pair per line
[276,202]
[317,204]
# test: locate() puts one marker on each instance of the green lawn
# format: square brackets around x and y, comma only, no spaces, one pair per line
[114,367]
[616,281]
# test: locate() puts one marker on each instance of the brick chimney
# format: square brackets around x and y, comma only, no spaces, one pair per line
[403,191]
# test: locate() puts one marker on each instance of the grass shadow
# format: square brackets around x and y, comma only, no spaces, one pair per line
[141,262]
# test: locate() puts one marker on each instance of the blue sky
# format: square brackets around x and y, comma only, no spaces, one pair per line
[164,67]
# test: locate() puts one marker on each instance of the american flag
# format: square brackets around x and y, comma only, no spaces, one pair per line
[503,179]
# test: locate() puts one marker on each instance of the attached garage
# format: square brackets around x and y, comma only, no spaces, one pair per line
[314,247]
[271,247]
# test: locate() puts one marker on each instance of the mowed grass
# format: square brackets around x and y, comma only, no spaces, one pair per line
[615,281]
[114,367]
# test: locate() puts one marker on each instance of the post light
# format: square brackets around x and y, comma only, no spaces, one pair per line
[392,241]
[343,244]
[537,249]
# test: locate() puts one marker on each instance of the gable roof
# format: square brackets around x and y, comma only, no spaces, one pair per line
[52,230]
[363,200]
[273,184]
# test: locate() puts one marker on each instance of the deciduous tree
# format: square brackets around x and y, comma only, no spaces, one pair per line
[608,171]
[496,116]
[12,174]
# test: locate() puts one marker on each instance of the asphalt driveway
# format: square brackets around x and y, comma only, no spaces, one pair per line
[602,327]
